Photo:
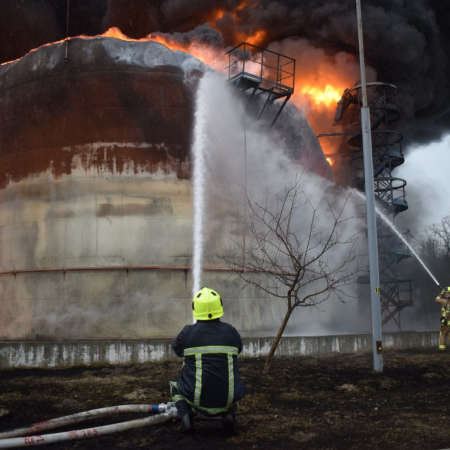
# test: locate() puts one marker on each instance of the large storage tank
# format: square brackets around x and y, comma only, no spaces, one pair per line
[96,195]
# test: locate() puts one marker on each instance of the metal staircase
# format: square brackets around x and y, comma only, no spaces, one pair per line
[395,291]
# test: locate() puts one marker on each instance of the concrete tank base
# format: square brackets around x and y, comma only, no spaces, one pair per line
[14,354]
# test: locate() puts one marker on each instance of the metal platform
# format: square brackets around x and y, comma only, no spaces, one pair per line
[262,72]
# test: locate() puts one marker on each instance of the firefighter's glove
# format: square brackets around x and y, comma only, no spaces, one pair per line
[442,293]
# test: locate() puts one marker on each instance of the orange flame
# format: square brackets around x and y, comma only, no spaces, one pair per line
[218,15]
[320,81]
[256,38]
[200,51]
[328,95]
[238,17]
[114,32]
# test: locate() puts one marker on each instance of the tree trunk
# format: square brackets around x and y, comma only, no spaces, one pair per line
[277,338]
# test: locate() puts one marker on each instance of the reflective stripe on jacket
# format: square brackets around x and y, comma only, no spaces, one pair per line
[445,312]
[210,378]
[445,307]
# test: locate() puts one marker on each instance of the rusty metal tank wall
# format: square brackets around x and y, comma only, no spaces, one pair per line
[49,106]
[95,174]
[96,196]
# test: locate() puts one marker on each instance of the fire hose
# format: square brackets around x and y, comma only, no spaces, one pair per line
[27,436]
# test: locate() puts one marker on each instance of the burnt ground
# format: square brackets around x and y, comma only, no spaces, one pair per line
[315,403]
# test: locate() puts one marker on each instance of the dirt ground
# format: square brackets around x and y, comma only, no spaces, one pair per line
[315,403]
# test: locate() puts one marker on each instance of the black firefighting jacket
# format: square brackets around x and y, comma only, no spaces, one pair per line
[210,378]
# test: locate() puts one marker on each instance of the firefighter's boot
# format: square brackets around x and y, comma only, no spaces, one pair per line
[229,423]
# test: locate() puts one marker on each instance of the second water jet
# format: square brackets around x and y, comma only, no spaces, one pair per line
[397,232]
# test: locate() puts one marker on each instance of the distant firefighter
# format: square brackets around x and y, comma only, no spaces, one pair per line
[444,300]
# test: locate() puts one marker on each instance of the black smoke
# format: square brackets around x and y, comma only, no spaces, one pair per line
[407,42]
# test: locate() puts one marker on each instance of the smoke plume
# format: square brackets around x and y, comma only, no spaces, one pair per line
[406,42]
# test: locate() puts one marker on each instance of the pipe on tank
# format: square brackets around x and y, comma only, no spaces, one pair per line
[127,268]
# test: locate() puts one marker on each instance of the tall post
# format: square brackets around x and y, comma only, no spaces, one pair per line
[370,208]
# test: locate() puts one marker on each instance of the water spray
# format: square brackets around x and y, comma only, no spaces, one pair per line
[199,160]
[391,225]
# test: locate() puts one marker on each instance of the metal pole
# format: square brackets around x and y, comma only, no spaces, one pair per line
[67,32]
[370,208]
[245,193]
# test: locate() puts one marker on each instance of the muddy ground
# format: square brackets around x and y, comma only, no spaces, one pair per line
[315,403]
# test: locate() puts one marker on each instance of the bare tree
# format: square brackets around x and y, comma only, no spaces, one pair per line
[439,236]
[305,252]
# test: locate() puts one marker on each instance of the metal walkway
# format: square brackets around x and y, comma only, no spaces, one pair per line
[262,72]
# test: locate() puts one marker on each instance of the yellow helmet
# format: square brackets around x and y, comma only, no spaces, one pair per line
[207,305]
[446,290]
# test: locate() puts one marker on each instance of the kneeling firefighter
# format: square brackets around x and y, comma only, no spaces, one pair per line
[444,300]
[209,382]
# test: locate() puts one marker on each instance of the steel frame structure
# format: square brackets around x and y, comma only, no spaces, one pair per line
[262,72]
[390,194]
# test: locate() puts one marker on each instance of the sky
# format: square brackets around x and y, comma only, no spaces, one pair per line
[426,171]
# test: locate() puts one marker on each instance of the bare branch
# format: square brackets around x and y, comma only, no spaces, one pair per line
[298,251]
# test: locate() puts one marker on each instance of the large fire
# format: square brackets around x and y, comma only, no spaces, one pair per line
[169,43]
[317,87]
[318,92]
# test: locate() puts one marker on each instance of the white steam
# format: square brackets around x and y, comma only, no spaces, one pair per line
[246,158]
